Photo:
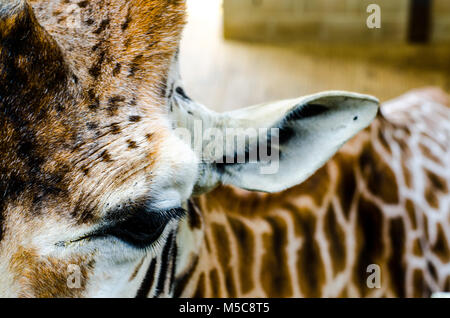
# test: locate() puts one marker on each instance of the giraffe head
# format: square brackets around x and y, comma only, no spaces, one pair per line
[94,172]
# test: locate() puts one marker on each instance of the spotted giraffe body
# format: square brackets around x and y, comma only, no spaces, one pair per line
[383,199]
[94,176]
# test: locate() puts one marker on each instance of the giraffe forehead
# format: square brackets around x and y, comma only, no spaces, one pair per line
[138,26]
[119,51]
[112,70]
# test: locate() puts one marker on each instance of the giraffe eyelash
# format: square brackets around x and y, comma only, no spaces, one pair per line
[140,230]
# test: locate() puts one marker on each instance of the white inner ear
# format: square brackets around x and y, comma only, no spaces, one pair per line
[310,130]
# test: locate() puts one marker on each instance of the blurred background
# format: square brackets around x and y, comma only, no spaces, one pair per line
[237,53]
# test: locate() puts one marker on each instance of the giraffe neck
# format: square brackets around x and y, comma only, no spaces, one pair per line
[382,200]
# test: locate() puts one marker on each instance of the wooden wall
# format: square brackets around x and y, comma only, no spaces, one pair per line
[226,75]
[441,21]
[327,20]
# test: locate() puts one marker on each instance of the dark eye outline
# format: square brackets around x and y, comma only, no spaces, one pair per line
[139,228]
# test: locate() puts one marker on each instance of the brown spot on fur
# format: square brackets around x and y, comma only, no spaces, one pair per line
[214,283]
[229,282]
[316,186]
[91,125]
[447,285]
[246,250]
[115,128]
[310,267]
[126,23]
[425,227]
[397,266]
[222,245]
[83,4]
[97,46]
[432,270]
[94,100]
[132,144]
[431,197]
[441,247]
[103,25]
[194,217]
[114,103]
[419,284]
[127,42]
[336,240]
[383,141]
[407,175]
[428,154]
[45,277]
[437,182]
[275,278]
[343,294]
[207,244]
[83,211]
[93,107]
[135,119]
[96,68]
[85,170]
[346,184]
[200,291]
[163,89]
[369,239]
[61,19]
[105,156]
[378,175]
[135,64]
[117,69]
[403,145]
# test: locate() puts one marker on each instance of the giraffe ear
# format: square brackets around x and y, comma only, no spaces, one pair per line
[282,143]
[31,63]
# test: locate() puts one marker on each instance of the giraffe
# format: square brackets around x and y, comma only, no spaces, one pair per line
[96,183]
[382,200]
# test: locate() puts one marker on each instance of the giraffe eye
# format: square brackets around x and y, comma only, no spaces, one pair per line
[140,228]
